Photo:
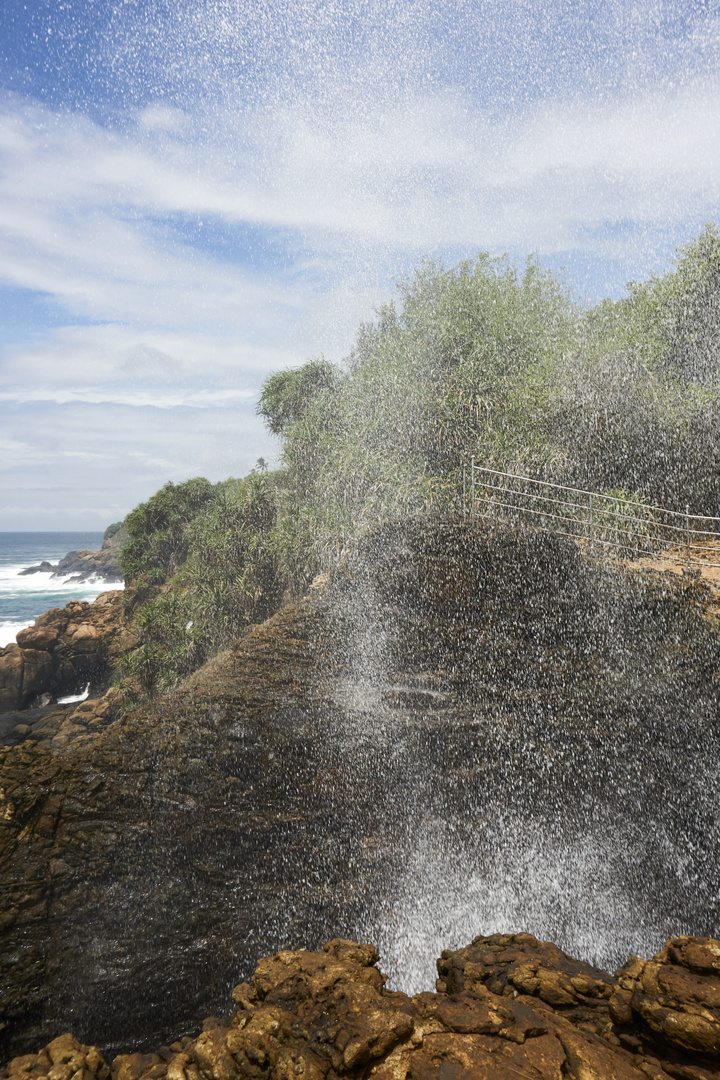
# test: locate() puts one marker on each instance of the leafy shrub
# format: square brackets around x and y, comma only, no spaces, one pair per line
[158,544]
[228,580]
[286,395]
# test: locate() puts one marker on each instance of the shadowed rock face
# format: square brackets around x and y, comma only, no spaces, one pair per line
[329,1015]
[460,731]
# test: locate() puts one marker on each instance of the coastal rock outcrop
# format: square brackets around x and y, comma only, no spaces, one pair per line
[79,566]
[517,963]
[675,997]
[64,650]
[328,1015]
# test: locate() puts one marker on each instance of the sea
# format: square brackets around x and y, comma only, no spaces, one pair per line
[22,599]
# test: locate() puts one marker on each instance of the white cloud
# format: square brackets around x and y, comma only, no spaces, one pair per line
[73,357]
[183,398]
[84,465]
[426,172]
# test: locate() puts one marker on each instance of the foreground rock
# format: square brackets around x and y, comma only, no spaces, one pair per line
[58,726]
[64,650]
[326,1015]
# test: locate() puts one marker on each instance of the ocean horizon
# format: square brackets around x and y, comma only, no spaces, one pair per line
[22,598]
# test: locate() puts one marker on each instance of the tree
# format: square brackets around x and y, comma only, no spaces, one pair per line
[286,395]
[158,544]
[692,330]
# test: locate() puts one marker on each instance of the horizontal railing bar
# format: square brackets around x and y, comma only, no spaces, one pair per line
[595,494]
[562,502]
[557,517]
[638,550]
[606,511]
[592,540]
[531,495]
[619,542]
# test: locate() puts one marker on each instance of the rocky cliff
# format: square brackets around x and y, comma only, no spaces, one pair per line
[506,1007]
[461,730]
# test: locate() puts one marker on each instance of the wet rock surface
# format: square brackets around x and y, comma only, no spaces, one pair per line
[329,1014]
[518,963]
[460,730]
[64,650]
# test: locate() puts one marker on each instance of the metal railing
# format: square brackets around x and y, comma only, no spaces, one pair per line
[611,524]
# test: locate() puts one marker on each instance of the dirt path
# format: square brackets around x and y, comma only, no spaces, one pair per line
[704,562]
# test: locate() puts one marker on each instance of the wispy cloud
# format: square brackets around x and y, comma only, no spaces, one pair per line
[96,218]
[132,359]
[81,465]
[190,398]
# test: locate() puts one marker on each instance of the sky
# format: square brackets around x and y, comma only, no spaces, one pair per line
[197,193]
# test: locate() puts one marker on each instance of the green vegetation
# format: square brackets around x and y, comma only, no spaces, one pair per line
[481,359]
[112,530]
[222,538]
[158,541]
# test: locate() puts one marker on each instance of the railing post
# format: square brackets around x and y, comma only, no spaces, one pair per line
[590,521]
[687,534]
[472,487]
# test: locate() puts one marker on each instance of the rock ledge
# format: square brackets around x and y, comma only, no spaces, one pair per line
[506,1007]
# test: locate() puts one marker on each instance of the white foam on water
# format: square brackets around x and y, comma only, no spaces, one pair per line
[13,582]
[8,630]
[43,591]
[73,698]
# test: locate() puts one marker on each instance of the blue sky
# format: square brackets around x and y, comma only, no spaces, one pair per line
[195,193]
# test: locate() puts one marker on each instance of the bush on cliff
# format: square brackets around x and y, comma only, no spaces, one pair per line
[464,362]
[484,360]
[158,544]
[229,578]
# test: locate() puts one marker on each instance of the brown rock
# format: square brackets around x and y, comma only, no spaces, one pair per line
[37,668]
[676,994]
[51,617]
[132,1066]
[44,638]
[519,962]
[65,649]
[63,1059]
[11,675]
[588,1058]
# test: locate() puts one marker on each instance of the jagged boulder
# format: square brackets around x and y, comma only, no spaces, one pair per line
[62,1059]
[675,997]
[518,963]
